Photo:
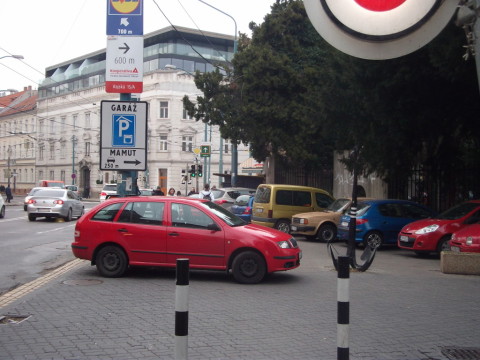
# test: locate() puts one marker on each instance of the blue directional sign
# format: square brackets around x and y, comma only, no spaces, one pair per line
[123,127]
[125,17]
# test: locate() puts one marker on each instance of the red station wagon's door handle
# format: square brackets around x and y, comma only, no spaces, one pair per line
[122,230]
[173,234]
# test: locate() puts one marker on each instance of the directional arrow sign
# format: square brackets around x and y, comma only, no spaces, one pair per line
[124,73]
[123,135]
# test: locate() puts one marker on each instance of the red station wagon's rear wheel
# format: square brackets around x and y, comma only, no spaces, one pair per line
[111,261]
[249,267]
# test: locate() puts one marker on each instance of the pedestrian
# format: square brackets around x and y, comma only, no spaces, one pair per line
[171,192]
[8,193]
[158,192]
[206,193]
[2,188]
[179,193]
[192,192]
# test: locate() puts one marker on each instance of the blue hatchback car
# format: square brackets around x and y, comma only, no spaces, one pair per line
[380,221]
[242,207]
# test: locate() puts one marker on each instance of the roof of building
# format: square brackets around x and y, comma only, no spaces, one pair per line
[19,102]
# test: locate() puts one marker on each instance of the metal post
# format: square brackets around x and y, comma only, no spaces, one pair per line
[181,309]
[343,308]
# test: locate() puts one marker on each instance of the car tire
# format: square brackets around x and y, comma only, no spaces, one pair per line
[69,215]
[81,213]
[249,267]
[2,212]
[283,226]
[32,217]
[327,232]
[443,244]
[111,262]
[373,239]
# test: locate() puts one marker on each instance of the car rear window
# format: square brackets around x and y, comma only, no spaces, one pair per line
[108,212]
[242,200]
[262,195]
[50,193]
[110,187]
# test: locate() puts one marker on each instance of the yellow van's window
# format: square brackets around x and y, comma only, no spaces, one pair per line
[293,198]
[263,195]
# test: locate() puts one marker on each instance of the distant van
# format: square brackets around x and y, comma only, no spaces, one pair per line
[274,205]
[51,183]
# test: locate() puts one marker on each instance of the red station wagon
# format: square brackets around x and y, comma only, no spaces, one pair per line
[156,231]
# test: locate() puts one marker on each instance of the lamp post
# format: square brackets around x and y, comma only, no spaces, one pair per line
[19,57]
[9,152]
[234,170]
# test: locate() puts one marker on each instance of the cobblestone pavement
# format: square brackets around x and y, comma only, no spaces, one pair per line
[403,308]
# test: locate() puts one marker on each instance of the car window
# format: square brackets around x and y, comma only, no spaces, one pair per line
[390,210]
[217,194]
[362,208]
[338,204]
[262,195]
[184,215]
[150,213]
[50,193]
[474,218]
[415,212]
[107,213]
[33,191]
[242,200]
[323,200]
[112,187]
[71,195]
[458,211]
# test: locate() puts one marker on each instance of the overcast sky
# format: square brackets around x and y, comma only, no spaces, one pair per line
[49,32]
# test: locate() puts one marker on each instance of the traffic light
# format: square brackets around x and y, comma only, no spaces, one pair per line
[192,171]
[200,171]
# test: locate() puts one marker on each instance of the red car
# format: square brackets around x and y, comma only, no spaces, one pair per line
[156,231]
[467,239]
[433,235]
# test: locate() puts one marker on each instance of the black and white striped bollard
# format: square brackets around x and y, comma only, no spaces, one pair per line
[181,310]
[343,308]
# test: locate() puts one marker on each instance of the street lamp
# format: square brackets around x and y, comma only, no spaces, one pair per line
[234,169]
[19,57]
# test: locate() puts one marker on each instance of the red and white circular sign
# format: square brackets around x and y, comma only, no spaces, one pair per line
[379,29]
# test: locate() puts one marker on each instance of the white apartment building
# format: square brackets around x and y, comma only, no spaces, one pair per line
[66,136]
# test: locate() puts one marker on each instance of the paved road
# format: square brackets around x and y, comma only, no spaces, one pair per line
[402,308]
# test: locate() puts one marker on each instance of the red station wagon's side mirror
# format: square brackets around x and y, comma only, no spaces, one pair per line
[213,227]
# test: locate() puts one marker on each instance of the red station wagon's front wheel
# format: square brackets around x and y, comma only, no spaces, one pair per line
[111,261]
[249,267]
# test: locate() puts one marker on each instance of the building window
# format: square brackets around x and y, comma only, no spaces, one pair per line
[163,146]
[52,126]
[187,143]
[52,175]
[40,126]
[87,120]
[87,149]
[185,115]
[63,149]
[63,121]
[40,175]
[52,152]
[41,150]
[226,148]
[75,117]
[62,175]
[163,109]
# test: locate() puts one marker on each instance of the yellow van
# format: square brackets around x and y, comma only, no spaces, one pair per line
[274,205]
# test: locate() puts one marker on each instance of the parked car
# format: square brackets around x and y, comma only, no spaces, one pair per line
[51,183]
[29,196]
[242,207]
[2,207]
[274,205]
[466,239]
[321,225]
[433,235]
[379,221]
[55,203]
[146,192]
[158,230]
[107,191]
[73,188]
[225,197]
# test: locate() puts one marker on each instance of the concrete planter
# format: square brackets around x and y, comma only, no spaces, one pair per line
[460,263]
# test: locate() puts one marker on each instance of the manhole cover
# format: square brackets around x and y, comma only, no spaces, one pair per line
[83,282]
[458,353]
[12,319]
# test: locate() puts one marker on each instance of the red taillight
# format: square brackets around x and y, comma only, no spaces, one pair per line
[361,221]
[31,201]
[58,202]
[247,211]
[103,194]
[220,202]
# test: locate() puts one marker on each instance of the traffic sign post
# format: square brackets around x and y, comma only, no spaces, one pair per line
[123,135]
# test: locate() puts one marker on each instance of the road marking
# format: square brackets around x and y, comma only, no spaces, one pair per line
[52,230]
[27,288]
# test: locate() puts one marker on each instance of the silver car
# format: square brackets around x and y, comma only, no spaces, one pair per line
[55,203]
[29,196]
[2,207]
[225,197]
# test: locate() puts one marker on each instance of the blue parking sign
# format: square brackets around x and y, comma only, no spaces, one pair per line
[123,128]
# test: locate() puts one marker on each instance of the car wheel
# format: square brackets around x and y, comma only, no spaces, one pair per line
[111,261]
[283,226]
[32,217]
[69,215]
[327,232]
[373,239]
[249,267]
[81,213]
[443,244]
[2,212]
